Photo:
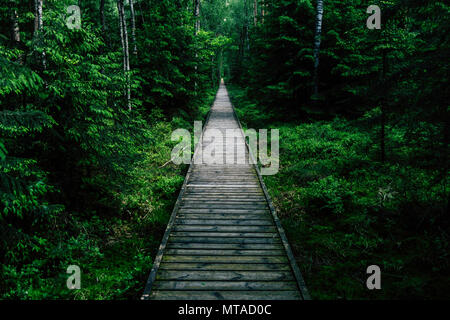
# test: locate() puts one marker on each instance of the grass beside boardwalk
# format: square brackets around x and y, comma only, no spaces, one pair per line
[343,210]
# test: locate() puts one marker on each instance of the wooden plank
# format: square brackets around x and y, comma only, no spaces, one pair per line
[226,285]
[225,259]
[202,228]
[227,202]
[222,197]
[226,234]
[231,211]
[225,188]
[224,216]
[225,185]
[222,206]
[183,239]
[223,222]
[253,182]
[226,295]
[223,252]
[226,266]
[190,275]
[223,246]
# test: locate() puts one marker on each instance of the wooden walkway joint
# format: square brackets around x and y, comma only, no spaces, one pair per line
[224,240]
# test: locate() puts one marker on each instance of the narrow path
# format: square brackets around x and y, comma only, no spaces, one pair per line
[224,240]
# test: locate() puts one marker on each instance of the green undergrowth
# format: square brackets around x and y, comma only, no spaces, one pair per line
[114,241]
[114,246]
[343,210]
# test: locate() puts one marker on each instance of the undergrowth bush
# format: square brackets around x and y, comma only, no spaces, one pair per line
[344,210]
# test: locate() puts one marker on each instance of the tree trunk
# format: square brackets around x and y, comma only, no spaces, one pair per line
[317,40]
[39,28]
[197,15]
[15,31]
[36,17]
[142,13]
[197,29]
[263,10]
[125,51]
[247,24]
[133,27]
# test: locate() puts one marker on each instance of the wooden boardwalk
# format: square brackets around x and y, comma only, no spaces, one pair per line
[224,240]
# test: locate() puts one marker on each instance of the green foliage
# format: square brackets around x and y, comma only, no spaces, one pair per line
[82,179]
[343,210]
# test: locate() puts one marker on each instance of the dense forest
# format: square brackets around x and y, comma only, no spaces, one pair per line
[88,103]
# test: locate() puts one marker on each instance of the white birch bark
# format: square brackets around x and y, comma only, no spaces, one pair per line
[15,31]
[39,27]
[133,27]
[197,15]
[125,50]
[317,40]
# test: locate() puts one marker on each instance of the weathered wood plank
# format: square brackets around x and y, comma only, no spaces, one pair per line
[223,222]
[222,206]
[188,210]
[224,216]
[226,295]
[226,266]
[225,259]
[226,234]
[222,197]
[226,285]
[235,202]
[178,238]
[225,275]
[222,246]
[224,252]
[202,228]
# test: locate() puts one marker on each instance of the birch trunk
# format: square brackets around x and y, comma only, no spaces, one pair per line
[197,29]
[247,25]
[125,51]
[39,28]
[15,31]
[133,27]
[317,40]
[197,15]
[263,10]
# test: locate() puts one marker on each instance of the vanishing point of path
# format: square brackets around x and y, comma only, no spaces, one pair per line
[224,240]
